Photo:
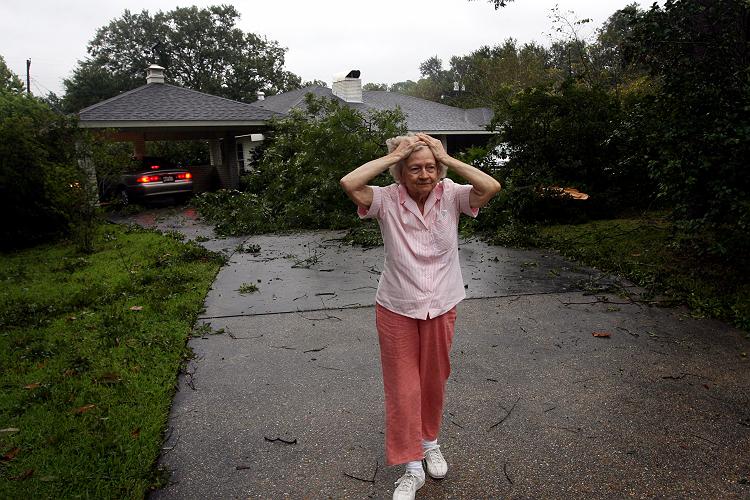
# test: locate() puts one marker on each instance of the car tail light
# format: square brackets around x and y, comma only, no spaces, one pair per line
[148,178]
[185,175]
[154,167]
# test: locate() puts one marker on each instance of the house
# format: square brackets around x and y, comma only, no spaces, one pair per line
[457,128]
[158,111]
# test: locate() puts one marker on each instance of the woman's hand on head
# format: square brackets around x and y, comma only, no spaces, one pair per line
[406,147]
[435,145]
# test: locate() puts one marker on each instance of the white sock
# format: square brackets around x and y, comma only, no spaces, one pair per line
[428,445]
[415,467]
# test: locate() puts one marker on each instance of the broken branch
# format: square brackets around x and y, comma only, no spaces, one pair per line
[505,471]
[282,440]
[371,481]
[506,415]
[315,350]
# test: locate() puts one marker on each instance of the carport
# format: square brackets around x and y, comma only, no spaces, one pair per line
[158,111]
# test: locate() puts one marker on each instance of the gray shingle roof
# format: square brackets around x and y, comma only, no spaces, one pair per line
[421,114]
[168,103]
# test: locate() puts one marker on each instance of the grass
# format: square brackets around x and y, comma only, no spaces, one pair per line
[90,346]
[246,288]
[645,251]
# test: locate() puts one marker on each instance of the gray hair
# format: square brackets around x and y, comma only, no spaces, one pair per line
[395,170]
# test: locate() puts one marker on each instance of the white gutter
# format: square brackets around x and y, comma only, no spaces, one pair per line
[454,132]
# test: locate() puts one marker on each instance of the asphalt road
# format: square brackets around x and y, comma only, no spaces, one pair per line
[284,397]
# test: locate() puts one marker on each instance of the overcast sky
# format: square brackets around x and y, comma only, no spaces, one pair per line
[386,40]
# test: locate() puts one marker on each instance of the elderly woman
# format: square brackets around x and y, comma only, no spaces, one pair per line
[418,291]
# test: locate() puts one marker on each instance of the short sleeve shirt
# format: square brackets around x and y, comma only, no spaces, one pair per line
[421,276]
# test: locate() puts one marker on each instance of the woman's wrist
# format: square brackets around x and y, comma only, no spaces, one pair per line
[447,160]
[394,157]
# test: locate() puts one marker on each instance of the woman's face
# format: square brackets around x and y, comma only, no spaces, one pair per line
[420,173]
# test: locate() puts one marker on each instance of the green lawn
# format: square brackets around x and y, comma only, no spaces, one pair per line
[644,251]
[90,347]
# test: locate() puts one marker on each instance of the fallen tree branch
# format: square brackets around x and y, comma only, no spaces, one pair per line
[704,439]
[505,471]
[327,316]
[315,350]
[281,440]
[506,415]
[599,300]
[234,337]
[189,379]
[371,481]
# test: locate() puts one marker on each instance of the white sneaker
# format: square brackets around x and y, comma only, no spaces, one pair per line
[435,464]
[407,486]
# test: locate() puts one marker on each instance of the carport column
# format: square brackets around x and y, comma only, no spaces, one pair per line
[214,151]
[444,139]
[139,147]
[231,177]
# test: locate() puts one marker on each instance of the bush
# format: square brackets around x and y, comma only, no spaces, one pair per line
[234,212]
[47,174]
[296,182]
[567,136]
[38,171]
[698,123]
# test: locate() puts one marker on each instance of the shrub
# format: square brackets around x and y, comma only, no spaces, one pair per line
[38,170]
[698,123]
[296,182]
[567,136]
[47,174]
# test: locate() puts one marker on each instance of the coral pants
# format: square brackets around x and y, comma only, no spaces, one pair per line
[414,355]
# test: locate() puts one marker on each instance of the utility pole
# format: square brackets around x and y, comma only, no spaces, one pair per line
[28,77]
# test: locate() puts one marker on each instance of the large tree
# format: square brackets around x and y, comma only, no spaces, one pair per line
[699,123]
[9,81]
[201,49]
[481,74]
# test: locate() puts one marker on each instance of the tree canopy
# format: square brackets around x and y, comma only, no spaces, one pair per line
[296,181]
[9,81]
[201,49]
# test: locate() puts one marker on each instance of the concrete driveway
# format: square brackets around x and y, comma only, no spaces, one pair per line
[284,396]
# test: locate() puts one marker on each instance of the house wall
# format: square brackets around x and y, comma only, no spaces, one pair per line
[246,149]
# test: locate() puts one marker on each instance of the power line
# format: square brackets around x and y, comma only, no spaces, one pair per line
[50,102]
[39,84]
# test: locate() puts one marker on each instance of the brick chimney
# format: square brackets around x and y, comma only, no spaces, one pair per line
[348,86]
[155,74]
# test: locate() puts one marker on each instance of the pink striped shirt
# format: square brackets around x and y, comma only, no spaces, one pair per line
[421,277]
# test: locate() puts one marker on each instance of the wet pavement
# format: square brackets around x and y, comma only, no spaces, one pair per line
[285,401]
[316,270]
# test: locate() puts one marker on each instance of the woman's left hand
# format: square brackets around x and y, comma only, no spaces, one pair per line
[438,151]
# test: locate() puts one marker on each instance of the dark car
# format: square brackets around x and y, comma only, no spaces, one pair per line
[152,179]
